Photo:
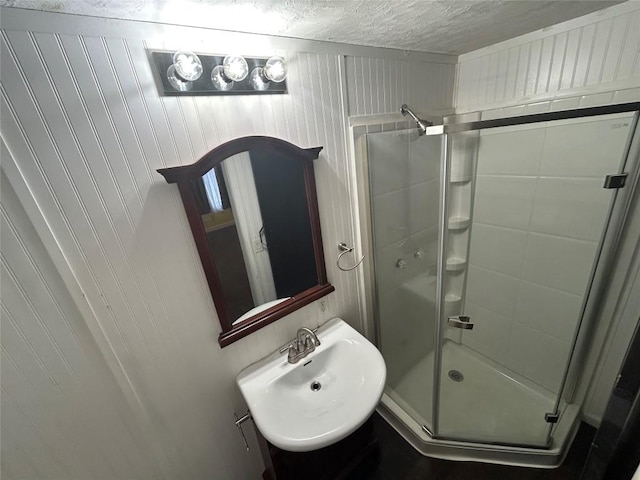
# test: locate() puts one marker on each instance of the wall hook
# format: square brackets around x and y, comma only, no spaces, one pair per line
[343,248]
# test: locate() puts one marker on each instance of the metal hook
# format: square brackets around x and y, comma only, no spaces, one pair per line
[343,250]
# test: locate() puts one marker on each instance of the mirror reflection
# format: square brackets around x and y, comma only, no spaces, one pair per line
[255,214]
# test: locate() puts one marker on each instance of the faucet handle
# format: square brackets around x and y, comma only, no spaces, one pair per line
[294,350]
[289,346]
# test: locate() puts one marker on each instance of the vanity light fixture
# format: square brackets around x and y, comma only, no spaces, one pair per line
[181,73]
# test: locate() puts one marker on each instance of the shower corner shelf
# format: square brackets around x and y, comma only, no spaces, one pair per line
[458,223]
[452,298]
[460,179]
[456,264]
[452,304]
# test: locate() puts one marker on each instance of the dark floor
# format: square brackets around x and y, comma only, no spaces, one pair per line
[400,461]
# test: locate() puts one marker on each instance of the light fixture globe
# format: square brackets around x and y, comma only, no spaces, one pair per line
[257,80]
[235,67]
[177,82]
[220,80]
[187,65]
[275,69]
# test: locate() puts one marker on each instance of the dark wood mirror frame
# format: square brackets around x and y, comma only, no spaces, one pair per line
[183,175]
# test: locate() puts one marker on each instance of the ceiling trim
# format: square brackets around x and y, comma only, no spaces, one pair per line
[50,22]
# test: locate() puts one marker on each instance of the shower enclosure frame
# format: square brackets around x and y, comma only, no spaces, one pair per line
[612,232]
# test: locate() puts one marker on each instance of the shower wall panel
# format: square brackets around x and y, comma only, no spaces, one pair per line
[593,62]
[538,217]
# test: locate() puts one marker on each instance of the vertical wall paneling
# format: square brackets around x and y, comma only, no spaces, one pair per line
[426,86]
[135,326]
[58,396]
[594,53]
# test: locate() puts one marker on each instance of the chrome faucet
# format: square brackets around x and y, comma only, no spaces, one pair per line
[308,337]
[305,342]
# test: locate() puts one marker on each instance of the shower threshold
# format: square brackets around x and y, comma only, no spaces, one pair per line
[477,397]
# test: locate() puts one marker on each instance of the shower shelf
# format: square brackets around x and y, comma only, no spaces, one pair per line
[452,304]
[456,264]
[458,223]
[460,178]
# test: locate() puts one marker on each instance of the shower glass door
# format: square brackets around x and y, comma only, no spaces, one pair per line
[526,213]
[404,193]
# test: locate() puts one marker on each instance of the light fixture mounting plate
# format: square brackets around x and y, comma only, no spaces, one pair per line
[161,60]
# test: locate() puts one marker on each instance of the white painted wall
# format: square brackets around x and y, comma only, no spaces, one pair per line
[86,130]
[592,60]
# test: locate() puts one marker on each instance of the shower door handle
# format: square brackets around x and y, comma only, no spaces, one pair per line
[460,321]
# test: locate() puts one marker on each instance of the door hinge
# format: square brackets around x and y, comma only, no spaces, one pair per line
[551,417]
[616,180]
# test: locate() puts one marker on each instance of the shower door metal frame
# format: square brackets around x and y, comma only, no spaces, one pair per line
[612,231]
[440,293]
[533,118]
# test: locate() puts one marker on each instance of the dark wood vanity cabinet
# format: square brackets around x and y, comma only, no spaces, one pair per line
[335,462]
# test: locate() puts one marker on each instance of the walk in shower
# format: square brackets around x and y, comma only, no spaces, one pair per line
[488,244]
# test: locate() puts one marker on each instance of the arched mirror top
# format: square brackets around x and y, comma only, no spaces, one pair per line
[238,145]
[252,207]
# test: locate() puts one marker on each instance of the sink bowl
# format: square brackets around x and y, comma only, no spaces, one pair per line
[321,399]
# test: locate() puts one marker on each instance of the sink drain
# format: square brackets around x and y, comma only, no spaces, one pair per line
[315,386]
[456,375]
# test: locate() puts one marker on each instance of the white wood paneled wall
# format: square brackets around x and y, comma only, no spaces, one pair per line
[86,131]
[425,87]
[594,53]
[63,415]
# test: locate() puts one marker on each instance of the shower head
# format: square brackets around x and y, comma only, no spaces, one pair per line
[421,124]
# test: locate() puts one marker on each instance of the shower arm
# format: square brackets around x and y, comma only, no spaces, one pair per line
[421,124]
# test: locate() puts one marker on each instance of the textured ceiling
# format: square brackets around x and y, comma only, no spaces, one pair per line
[440,26]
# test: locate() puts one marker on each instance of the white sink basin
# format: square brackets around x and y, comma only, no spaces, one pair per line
[293,416]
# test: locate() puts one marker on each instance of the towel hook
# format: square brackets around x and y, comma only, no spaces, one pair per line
[343,248]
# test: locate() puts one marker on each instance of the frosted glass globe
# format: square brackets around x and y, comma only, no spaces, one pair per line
[219,80]
[177,82]
[235,67]
[258,80]
[275,69]
[187,65]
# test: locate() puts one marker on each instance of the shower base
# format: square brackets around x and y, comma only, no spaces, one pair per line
[492,409]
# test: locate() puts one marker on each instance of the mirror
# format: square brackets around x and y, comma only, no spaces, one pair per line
[252,207]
